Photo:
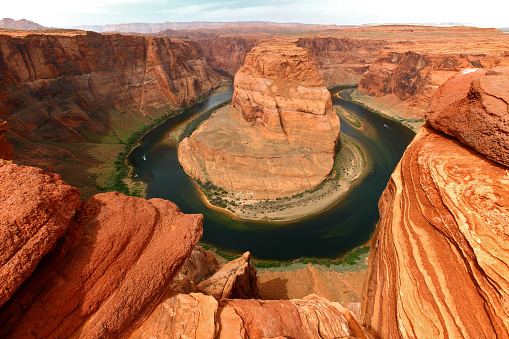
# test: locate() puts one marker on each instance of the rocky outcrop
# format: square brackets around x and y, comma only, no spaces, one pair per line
[235,280]
[6,150]
[439,260]
[199,316]
[473,106]
[69,86]
[108,272]
[280,139]
[37,209]
[200,264]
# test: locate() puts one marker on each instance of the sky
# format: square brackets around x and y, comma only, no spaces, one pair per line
[68,13]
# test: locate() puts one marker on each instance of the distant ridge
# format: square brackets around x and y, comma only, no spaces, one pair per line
[150,28]
[22,24]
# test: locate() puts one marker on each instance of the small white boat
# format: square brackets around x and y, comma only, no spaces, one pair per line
[386,126]
[144,157]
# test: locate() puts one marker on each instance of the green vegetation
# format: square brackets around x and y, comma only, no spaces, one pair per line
[351,258]
[117,179]
[348,116]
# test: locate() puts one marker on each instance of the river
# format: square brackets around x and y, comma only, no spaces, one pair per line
[344,226]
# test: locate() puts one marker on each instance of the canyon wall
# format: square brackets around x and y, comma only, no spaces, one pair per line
[439,261]
[281,136]
[339,60]
[405,77]
[62,86]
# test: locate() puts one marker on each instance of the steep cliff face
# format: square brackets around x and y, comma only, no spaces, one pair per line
[342,61]
[280,139]
[60,86]
[406,78]
[227,53]
[6,151]
[439,261]
[339,60]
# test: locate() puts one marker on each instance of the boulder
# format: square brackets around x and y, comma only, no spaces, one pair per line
[37,209]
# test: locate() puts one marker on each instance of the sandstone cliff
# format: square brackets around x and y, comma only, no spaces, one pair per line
[106,274]
[280,139]
[439,261]
[61,86]
[339,60]
[405,76]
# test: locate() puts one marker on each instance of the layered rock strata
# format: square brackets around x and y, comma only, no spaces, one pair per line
[59,86]
[197,315]
[107,274]
[405,78]
[280,139]
[439,263]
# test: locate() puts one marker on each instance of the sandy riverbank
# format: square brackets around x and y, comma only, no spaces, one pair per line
[350,166]
[377,106]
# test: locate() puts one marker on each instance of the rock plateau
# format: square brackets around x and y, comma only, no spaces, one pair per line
[439,261]
[280,138]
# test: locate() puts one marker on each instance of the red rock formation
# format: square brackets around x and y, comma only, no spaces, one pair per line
[439,263]
[6,151]
[282,138]
[113,276]
[200,264]
[339,60]
[36,211]
[406,77]
[473,106]
[235,280]
[227,53]
[200,316]
[60,86]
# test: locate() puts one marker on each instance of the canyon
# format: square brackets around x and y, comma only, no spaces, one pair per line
[109,265]
[280,136]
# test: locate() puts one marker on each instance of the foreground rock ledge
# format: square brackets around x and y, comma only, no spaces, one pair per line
[281,137]
[108,272]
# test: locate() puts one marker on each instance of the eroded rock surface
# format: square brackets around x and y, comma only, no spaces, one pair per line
[199,316]
[111,278]
[280,139]
[36,210]
[235,280]
[473,106]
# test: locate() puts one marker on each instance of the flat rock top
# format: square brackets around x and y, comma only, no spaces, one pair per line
[228,131]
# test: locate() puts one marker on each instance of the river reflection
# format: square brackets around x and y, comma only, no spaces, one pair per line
[344,226]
